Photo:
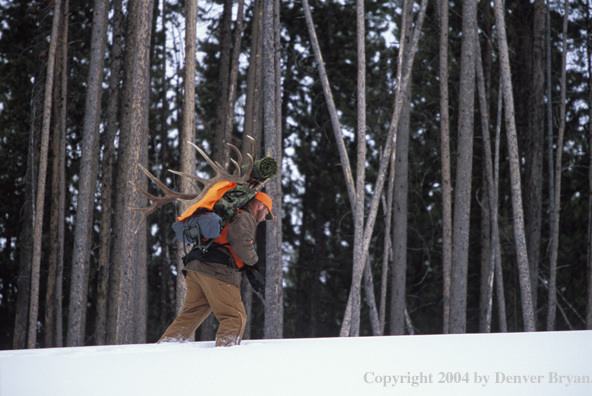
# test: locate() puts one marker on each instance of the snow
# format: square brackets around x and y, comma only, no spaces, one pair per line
[543,363]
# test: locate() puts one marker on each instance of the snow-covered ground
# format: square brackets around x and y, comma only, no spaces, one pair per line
[544,363]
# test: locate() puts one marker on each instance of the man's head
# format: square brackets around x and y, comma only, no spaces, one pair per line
[261,205]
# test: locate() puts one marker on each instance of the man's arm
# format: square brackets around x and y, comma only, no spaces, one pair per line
[241,231]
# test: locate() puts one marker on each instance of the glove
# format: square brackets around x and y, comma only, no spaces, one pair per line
[255,279]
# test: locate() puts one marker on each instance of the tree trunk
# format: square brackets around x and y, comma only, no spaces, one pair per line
[221,151]
[232,88]
[132,132]
[589,300]
[105,239]
[187,160]
[53,300]
[390,141]
[445,155]
[387,250]
[499,280]
[492,194]
[88,174]
[371,299]
[39,202]
[140,258]
[462,201]
[401,191]
[254,88]
[359,256]
[273,323]
[518,214]
[552,300]
[533,175]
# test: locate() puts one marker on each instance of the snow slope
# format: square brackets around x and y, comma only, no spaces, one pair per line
[544,363]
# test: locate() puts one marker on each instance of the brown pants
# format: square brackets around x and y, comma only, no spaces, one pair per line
[204,295]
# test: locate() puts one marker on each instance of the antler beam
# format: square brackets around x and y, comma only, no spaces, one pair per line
[221,175]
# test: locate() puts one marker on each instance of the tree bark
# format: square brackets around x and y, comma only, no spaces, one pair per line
[462,202]
[232,88]
[499,280]
[88,175]
[533,183]
[132,131]
[445,156]
[552,300]
[518,213]
[254,88]
[221,152]
[390,141]
[187,161]
[492,194]
[371,299]
[273,322]
[53,296]
[105,239]
[359,255]
[401,191]
[39,209]
[387,251]
[589,300]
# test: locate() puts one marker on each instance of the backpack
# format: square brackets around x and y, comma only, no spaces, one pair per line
[203,222]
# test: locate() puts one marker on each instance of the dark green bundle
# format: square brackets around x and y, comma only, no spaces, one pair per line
[265,168]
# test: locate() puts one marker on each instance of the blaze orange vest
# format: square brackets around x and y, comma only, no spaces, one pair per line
[223,240]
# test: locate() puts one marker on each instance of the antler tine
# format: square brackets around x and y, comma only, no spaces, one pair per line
[169,196]
[190,176]
[251,156]
[216,166]
[240,159]
[253,146]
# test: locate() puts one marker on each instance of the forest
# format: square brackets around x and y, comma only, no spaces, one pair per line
[435,163]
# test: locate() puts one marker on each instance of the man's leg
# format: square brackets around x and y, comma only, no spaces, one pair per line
[195,310]
[225,300]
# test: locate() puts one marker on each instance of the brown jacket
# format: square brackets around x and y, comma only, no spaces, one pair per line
[241,231]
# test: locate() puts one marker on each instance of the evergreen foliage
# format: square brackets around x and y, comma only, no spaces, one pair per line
[316,215]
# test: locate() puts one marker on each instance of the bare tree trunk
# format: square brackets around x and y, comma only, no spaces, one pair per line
[533,175]
[140,258]
[38,227]
[23,282]
[273,323]
[518,215]
[462,202]
[499,280]
[371,299]
[221,151]
[232,88]
[359,256]
[254,89]
[187,133]
[492,193]
[132,132]
[589,301]
[88,174]
[57,219]
[550,126]
[60,237]
[552,300]
[107,175]
[391,139]
[445,154]
[387,243]
[401,190]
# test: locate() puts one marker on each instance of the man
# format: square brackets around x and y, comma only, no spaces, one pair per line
[213,281]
